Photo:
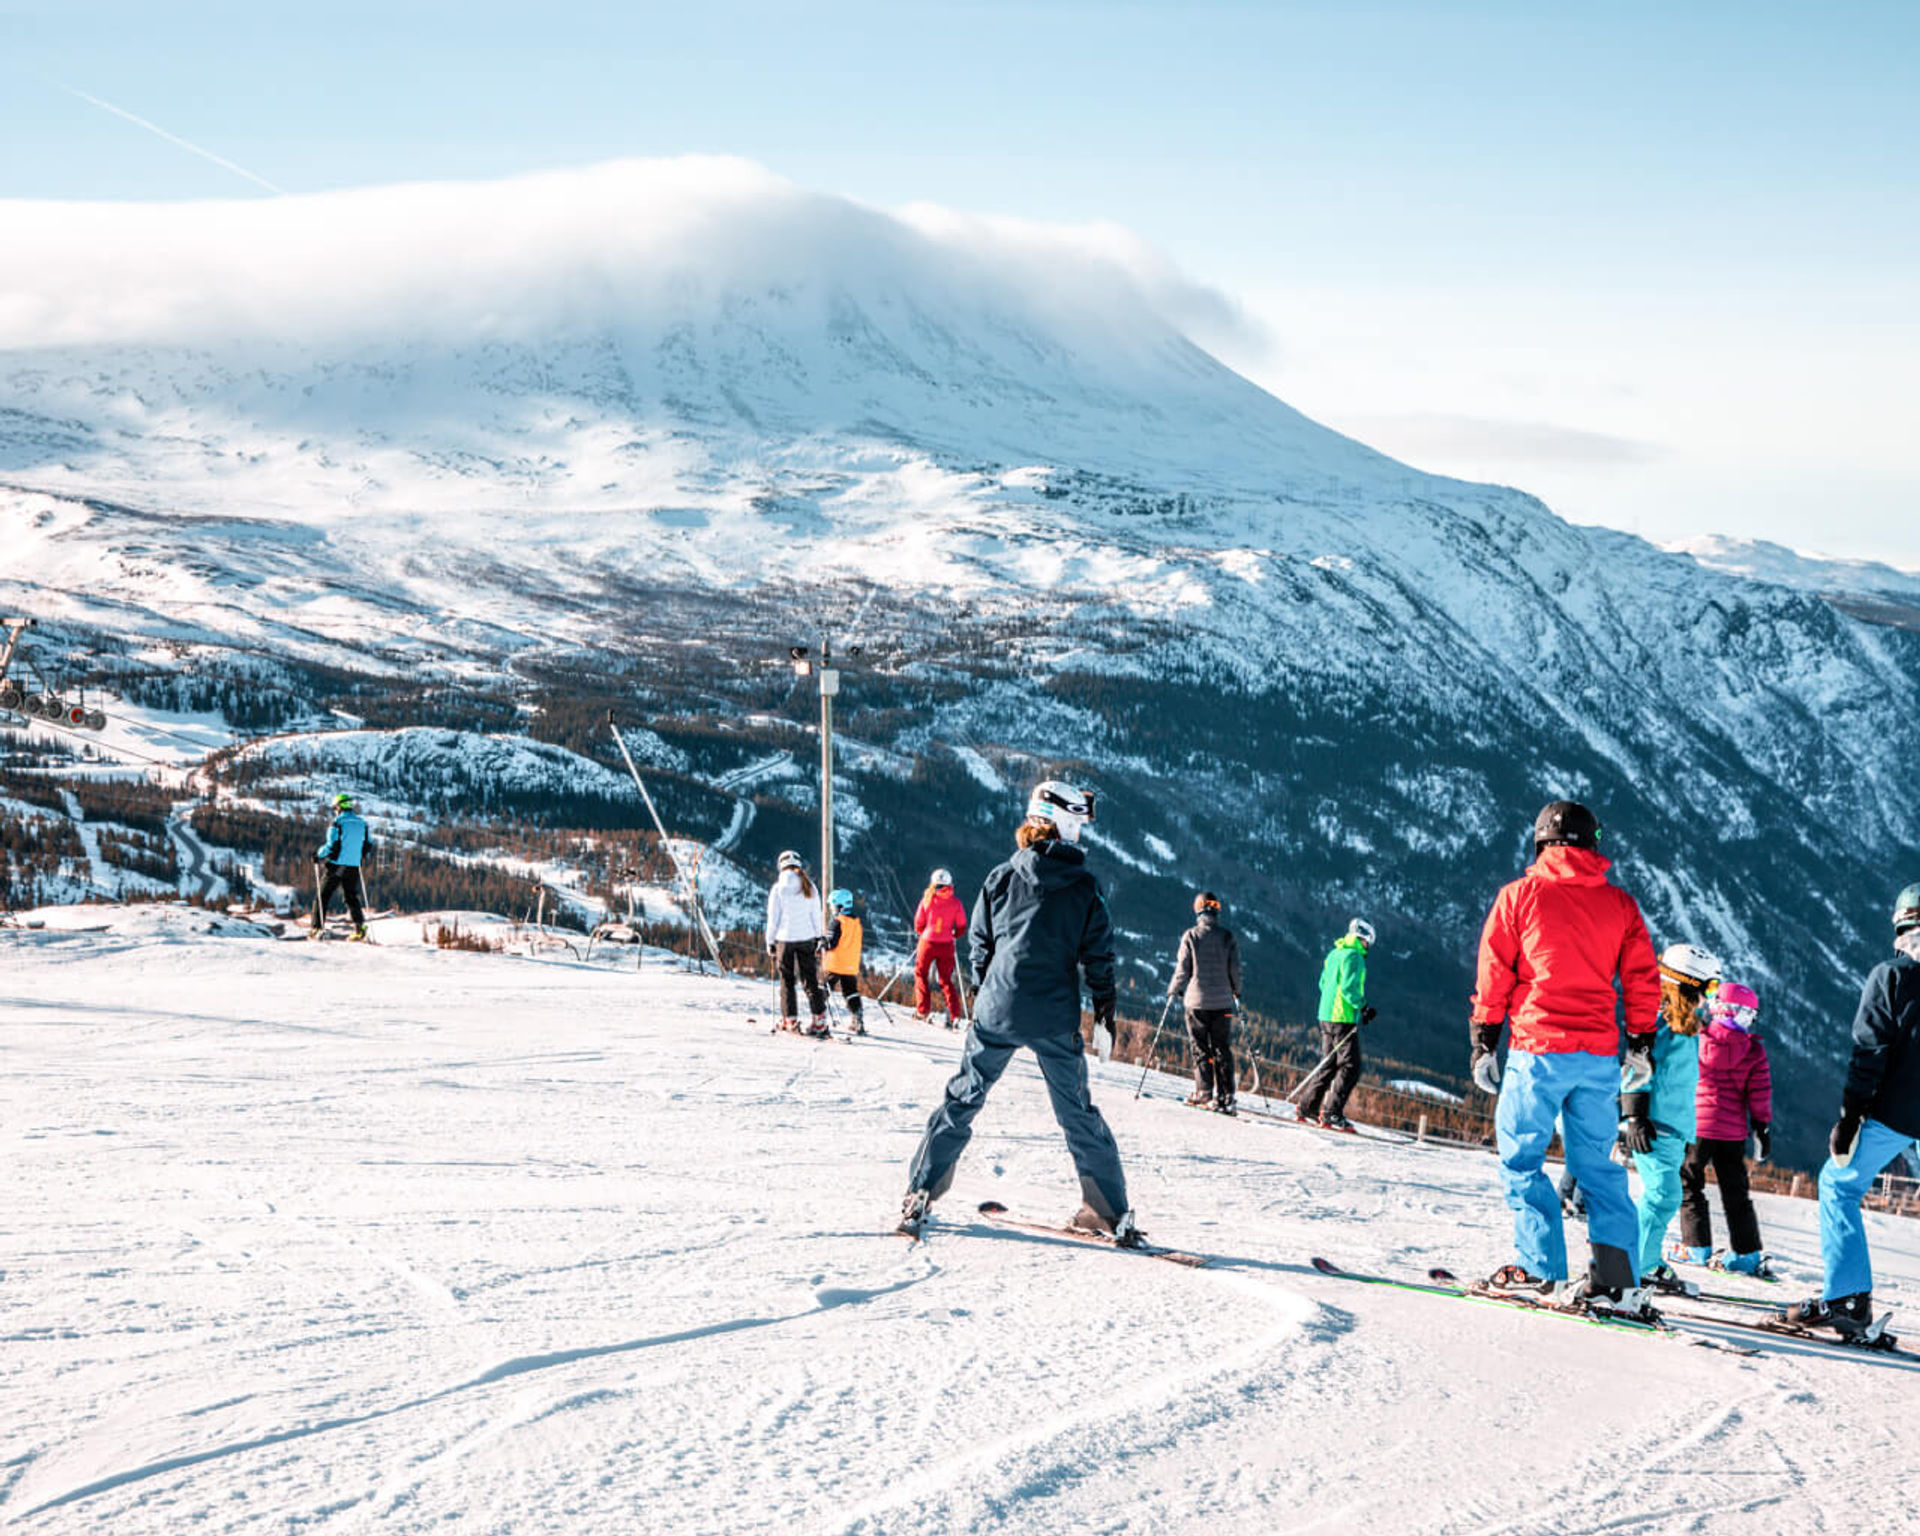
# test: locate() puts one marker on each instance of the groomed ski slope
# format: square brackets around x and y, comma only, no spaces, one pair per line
[319,1237]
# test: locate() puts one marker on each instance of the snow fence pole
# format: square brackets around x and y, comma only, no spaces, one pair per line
[1146,1065]
[693,896]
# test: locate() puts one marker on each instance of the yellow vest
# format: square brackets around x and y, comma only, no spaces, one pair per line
[844,958]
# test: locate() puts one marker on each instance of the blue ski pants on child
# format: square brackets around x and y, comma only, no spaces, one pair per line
[1582,1091]
[1843,1234]
[1659,1172]
[1063,1063]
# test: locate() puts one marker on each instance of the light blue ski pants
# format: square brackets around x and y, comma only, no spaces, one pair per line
[1582,1092]
[1843,1232]
[1659,1172]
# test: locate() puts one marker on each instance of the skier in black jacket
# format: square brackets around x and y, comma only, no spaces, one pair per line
[1039,925]
[1879,1119]
[1208,973]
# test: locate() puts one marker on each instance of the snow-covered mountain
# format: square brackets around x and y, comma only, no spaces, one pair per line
[626,433]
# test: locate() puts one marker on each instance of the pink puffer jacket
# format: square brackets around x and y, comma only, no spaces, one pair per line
[1736,1084]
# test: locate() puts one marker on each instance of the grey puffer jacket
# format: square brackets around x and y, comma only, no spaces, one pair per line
[1209,966]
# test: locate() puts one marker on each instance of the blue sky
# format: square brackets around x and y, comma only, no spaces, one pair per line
[1657,263]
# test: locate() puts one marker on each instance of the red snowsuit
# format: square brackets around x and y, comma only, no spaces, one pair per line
[940,919]
[1552,946]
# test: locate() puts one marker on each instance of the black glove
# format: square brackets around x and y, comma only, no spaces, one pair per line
[1485,1064]
[1368,1014]
[1846,1136]
[1103,1013]
[773,948]
[1636,1129]
[1762,1141]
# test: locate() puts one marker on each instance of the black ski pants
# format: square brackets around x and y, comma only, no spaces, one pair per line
[344,878]
[1728,1160]
[1326,1089]
[799,963]
[1211,1030]
[848,987]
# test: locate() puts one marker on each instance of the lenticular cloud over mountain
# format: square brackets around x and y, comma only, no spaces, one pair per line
[607,245]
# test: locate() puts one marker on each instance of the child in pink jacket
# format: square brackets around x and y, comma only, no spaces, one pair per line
[1735,1097]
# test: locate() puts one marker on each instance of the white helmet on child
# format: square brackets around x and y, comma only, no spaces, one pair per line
[1689,962]
[1362,930]
[942,876]
[1068,807]
[791,860]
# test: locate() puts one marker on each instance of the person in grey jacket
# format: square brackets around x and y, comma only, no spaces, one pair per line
[1208,974]
[1039,926]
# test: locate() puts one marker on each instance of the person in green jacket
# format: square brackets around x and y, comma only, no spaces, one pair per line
[1343,1009]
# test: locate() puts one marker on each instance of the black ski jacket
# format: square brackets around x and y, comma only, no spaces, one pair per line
[1039,925]
[1883,1079]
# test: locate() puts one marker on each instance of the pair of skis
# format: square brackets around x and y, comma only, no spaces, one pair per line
[1444,1283]
[997,1215]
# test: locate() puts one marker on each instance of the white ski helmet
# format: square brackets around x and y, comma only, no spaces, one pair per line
[941,876]
[1362,930]
[791,860]
[1068,807]
[1691,963]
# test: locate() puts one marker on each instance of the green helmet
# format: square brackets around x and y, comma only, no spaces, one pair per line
[1906,910]
[343,802]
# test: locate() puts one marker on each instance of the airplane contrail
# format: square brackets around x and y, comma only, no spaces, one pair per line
[174,138]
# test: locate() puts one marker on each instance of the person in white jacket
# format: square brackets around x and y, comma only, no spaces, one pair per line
[795,928]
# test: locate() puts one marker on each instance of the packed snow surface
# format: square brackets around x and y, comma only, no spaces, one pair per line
[326,1237]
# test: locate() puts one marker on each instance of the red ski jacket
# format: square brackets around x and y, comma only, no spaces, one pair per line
[1553,945]
[940,919]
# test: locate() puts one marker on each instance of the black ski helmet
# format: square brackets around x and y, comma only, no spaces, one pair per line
[1906,910]
[1206,901]
[1566,821]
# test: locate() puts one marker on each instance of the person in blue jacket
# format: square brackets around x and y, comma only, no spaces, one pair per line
[1657,1122]
[1039,926]
[1879,1119]
[336,867]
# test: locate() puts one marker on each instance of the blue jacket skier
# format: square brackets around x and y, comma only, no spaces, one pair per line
[1657,1122]
[336,867]
[1039,929]
[1879,1119]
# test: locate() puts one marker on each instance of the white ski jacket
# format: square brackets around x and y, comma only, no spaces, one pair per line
[793,917]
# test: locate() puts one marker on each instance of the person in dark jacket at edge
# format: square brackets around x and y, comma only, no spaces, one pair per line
[337,868]
[1879,1119]
[1343,1009]
[1039,925]
[1557,944]
[1208,974]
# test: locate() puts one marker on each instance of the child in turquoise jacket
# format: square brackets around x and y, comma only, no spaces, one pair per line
[1657,1123]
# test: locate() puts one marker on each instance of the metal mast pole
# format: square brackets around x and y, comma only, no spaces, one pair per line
[829,686]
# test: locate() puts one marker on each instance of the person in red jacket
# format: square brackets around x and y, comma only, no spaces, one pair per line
[940,919]
[1556,945]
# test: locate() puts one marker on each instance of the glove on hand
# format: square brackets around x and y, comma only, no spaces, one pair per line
[1368,1014]
[1636,1130]
[1485,1065]
[1845,1137]
[1103,1029]
[1762,1141]
[1636,1072]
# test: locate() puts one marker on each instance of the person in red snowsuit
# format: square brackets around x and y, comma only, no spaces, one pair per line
[1556,945]
[939,920]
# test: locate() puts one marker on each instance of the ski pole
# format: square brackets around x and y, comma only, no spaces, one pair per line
[882,998]
[1146,1065]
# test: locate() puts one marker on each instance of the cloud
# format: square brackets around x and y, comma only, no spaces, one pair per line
[626,245]
[1439,436]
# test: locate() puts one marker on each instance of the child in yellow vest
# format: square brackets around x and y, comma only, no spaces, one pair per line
[841,957]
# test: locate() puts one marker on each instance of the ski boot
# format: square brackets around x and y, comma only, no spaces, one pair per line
[855,1027]
[1849,1316]
[359,935]
[1666,1280]
[1125,1232]
[1196,1100]
[1337,1123]
[1514,1277]
[1610,1290]
[914,1211]
[1680,1253]
[923,1018]
[1224,1106]
[790,1026]
[819,1029]
[1754,1264]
